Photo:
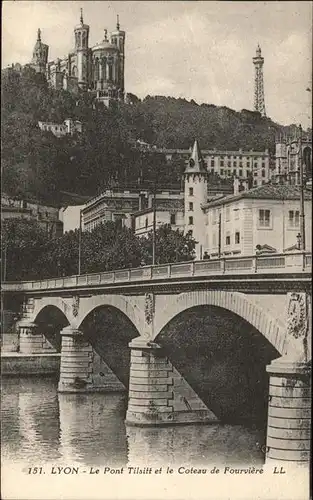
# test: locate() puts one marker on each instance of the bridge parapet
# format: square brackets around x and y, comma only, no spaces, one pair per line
[258,264]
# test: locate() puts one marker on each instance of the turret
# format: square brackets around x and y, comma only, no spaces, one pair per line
[118,39]
[196,185]
[81,47]
[40,55]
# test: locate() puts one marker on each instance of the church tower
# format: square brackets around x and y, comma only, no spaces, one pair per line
[81,48]
[118,39]
[196,186]
[40,55]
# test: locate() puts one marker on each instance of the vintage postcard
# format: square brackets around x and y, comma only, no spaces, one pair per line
[156,250]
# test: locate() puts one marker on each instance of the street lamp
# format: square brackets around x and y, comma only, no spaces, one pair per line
[219,233]
[302,216]
[154,226]
[298,241]
[80,241]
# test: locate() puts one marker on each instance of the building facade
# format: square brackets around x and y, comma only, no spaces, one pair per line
[143,220]
[68,127]
[266,217]
[124,206]
[98,69]
[289,152]
[46,216]
[255,165]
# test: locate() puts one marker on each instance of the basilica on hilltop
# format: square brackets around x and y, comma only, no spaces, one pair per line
[98,69]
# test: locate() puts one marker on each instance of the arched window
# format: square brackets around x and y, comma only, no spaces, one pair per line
[104,68]
[97,69]
[110,68]
[74,71]
[84,40]
[79,35]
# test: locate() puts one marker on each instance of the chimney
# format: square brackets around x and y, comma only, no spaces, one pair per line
[236,185]
[240,185]
[244,185]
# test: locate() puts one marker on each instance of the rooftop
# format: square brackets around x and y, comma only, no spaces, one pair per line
[265,192]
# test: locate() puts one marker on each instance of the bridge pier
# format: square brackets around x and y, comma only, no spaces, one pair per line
[289,413]
[158,394]
[82,369]
[32,341]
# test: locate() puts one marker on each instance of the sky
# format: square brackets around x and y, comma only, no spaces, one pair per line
[199,50]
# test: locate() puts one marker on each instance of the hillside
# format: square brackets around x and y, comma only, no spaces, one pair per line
[37,164]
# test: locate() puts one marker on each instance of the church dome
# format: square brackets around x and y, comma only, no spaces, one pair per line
[105,45]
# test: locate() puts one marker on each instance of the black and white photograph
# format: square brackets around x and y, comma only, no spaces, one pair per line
[156,206]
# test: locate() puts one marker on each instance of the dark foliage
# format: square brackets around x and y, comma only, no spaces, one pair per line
[37,164]
[28,254]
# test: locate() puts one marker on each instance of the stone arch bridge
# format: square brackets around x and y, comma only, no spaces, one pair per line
[264,302]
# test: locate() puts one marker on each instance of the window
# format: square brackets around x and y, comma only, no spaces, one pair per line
[173,219]
[234,163]
[214,216]
[190,191]
[263,164]
[190,221]
[227,241]
[237,237]
[263,173]
[222,171]
[228,172]
[240,172]
[234,172]
[212,163]
[212,170]
[146,222]
[222,163]
[255,183]
[229,163]
[227,213]
[293,218]
[191,206]
[255,173]
[264,218]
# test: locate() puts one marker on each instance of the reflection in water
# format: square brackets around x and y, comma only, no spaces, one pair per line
[194,445]
[93,429]
[40,425]
[30,419]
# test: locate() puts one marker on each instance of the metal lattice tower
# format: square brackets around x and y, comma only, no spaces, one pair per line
[259,104]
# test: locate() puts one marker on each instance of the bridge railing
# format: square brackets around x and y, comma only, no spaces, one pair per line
[259,264]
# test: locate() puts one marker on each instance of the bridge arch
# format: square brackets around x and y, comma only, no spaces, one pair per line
[57,302]
[131,311]
[273,329]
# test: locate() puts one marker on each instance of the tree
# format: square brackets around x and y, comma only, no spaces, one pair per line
[171,246]
[23,242]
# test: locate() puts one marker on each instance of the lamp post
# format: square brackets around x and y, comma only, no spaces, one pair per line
[80,242]
[302,216]
[154,227]
[298,241]
[4,277]
[219,233]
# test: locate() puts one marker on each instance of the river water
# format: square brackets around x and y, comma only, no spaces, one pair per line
[41,426]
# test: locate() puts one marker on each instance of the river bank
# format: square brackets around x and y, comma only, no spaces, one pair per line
[15,363]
